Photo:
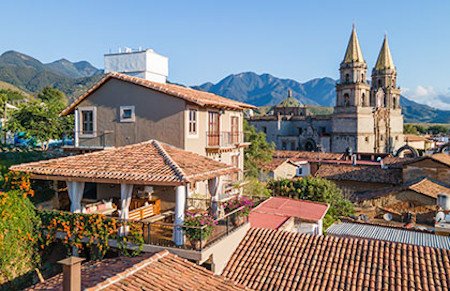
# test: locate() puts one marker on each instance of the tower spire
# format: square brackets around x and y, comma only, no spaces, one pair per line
[353,52]
[384,60]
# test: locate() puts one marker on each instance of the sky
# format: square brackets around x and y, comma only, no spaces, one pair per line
[208,40]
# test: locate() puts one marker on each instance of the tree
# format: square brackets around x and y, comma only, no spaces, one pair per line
[410,129]
[18,234]
[315,189]
[39,119]
[438,129]
[259,151]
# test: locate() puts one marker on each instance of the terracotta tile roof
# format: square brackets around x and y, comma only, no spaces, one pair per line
[277,260]
[149,162]
[310,156]
[275,163]
[442,158]
[396,162]
[161,271]
[200,98]
[371,174]
[269,213]
[414,137]
[424,186]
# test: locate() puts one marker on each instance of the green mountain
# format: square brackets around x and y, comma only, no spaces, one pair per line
[267,90]
[30,75]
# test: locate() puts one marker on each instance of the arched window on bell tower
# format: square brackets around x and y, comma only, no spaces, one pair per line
[379,83]
[363,99]
[346,100]
[347,78]
[362,78]
[385,101]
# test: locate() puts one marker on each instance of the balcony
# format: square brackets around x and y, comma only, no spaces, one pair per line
[224,139]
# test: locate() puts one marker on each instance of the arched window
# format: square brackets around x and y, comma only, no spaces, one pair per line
[385,101]
[346,100]
[347,78]
[394,101]
[363,99]
[362,78]
[379,83]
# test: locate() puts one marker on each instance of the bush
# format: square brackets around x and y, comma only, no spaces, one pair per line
[253,187]
[18,235]
[198,226]
[239,202]
[315,189]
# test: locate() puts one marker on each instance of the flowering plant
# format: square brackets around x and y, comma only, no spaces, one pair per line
[198,226]
[239,202]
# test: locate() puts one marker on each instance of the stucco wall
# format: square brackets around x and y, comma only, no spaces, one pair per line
[157,115]
[426,168]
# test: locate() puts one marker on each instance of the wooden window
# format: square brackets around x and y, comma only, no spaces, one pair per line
[192,121]
[213,128]
[234,129]
[127,114]
[87,121]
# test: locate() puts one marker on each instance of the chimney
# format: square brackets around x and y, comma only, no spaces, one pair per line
[354,160]
[71,273]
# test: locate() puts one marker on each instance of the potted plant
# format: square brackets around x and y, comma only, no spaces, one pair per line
[237,218]
[198,227]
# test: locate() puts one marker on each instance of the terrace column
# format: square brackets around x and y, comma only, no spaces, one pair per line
[214,190]
[126,192]
[75,190]
[180,206]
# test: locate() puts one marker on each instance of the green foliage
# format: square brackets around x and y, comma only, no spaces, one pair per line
[40,118]
[438,129]
[18,236]
[97,228]
[315,189]
[198,226]
[258,153]
[253,187]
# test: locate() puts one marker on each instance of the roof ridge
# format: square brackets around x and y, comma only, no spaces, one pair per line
[168,159]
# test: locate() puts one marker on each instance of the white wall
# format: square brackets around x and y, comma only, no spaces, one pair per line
[143,64]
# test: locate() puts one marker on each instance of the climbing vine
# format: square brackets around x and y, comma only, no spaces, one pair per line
[91,231]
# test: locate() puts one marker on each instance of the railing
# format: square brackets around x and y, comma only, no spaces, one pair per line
[162,233]
[223,138]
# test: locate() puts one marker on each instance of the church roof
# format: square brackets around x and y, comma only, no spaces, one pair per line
[289,102]
[384,60]
[353,53]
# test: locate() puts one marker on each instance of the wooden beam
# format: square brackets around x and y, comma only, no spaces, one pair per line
[102,180]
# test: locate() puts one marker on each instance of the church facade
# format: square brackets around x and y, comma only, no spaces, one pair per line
[366,118]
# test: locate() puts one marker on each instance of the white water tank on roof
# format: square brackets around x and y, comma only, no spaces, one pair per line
[144,64]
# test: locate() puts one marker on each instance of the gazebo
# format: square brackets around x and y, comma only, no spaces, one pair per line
[150,164]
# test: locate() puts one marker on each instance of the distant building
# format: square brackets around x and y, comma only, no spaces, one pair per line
[367,117]
[145,64]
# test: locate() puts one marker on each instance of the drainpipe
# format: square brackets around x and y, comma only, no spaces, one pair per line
[77,129]
[71,273]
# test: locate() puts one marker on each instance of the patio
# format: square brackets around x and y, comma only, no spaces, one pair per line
[151,184]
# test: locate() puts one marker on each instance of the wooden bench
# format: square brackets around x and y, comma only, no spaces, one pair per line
[141,212]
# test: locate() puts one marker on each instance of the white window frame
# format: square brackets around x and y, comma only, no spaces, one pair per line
[188,121]
[133,114]
[94,121]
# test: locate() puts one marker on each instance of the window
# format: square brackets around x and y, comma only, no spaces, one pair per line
[234,129]
[346,100]
[192,121]
[347,78]
[264,129]
[362,78]
[367,139]
[127,114]
[300,130]
[379,83]
[299,171]
[363,99]
[213,128]
[323,129]
[382,137]
[87,121]
[283,145]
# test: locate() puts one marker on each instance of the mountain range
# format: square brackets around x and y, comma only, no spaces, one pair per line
[265,90]
[73,78]
[31,75]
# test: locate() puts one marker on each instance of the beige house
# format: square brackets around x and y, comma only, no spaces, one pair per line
[121,110]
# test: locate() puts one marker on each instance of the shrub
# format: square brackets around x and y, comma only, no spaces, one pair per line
[18,236]
[315,189]
[237,203]
[198,226]
[253,187]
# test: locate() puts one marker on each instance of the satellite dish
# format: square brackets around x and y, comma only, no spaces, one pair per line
[387,216]
[440,216]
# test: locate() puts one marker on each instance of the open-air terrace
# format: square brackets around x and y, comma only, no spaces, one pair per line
[175,197]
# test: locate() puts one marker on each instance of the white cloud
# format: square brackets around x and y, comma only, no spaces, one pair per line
[429,95]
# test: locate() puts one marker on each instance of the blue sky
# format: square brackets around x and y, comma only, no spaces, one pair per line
[207,40]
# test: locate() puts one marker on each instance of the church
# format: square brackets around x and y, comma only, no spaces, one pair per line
[366,118]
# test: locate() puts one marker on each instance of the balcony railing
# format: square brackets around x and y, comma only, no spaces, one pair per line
[161,233]
[223,138]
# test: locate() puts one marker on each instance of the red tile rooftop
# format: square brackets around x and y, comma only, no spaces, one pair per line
[273,212]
